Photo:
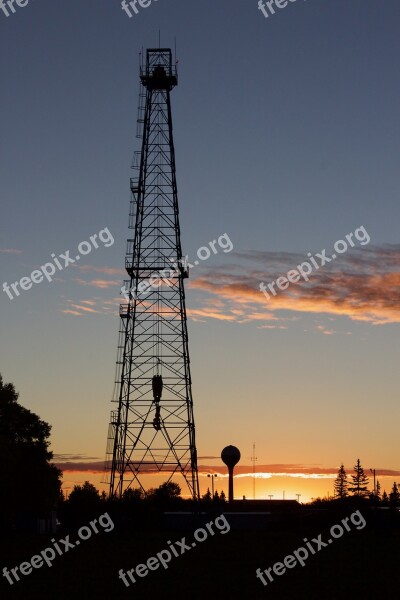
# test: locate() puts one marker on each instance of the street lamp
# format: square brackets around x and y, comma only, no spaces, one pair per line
[212,475]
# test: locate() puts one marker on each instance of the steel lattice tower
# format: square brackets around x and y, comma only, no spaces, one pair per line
[152,430]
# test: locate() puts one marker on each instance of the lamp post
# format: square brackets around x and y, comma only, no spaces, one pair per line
[212,475]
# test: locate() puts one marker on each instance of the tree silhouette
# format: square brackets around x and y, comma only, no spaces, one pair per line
[341,483]
[25,461]
[133,495]
[166,495]
[378,490]
[360,481]
[207,496]
[84,503]
[394,496]
[168,491]
[84,496]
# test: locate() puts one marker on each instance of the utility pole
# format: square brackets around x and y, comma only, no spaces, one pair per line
[212,475]
[374,473]
[253,459]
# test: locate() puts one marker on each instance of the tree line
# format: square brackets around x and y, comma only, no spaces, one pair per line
[358,486]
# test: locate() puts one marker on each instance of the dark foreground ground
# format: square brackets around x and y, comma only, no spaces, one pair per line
[361,564]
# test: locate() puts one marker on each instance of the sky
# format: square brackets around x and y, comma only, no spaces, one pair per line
[286,134]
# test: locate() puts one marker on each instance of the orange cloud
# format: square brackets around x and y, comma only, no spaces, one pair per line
[362,287]
[263,471]
[95,305]
[93,467]
[79,309]
[103,270]
[99,283]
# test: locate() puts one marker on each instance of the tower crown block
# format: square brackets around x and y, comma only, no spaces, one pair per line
[159,72]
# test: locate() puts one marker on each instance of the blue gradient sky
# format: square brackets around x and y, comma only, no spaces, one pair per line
[287,139]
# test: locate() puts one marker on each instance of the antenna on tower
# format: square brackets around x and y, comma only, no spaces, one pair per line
[253,459]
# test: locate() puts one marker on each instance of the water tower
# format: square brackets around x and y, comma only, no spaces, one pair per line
[230,456]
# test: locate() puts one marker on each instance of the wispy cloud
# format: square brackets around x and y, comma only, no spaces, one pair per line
[10,251]
[104,270]
[92,466]
[92,306]
[71,457]
[363,285]
[301,471]
[101,284]
[80,309]
[287,470]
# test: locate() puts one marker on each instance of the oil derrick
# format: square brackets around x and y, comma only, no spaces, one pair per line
[152,430]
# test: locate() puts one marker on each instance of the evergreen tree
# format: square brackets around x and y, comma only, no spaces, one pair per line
[385,499]
[360,481]
[394,496]
[222,496]
[207,496]
[341,483]
[216,496]
[378,490]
